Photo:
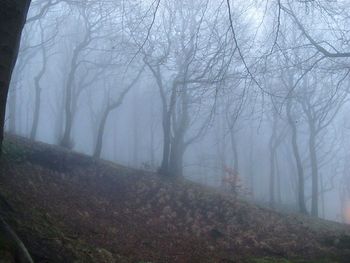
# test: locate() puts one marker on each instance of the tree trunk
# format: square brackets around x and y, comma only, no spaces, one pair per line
[37,106]
[12,101]
[66,139]
[101,129]
[12,18]
[278,182]
[68,102]
[164,168]
[175,168]
[272,162]
[314,172]
[36,114]
[272,179]
[300,169]
[135,129]
[13,15]
[234,151]
[251,168]
[322,197]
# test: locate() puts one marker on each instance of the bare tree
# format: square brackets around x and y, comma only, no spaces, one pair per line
[111,105]
[185,52]
[92,29]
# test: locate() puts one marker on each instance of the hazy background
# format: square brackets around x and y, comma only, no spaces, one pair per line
[234,92]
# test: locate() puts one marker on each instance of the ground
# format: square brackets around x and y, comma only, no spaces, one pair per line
[68,207]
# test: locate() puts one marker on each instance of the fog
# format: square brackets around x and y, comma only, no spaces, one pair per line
[245,96]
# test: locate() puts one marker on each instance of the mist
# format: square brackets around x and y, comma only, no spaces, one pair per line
[187,89]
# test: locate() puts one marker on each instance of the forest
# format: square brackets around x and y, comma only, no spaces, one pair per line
[223,121]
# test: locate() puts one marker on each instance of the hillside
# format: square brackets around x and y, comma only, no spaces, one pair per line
[68,207]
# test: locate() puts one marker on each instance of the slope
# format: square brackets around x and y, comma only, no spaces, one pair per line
[68,207]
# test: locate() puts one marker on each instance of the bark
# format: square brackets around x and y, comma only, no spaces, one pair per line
[136,121]
[278,182]
[251,168]
[322,196]
[110,107]
[12,101]
[71,98]
[12,18]
[298,161]
[101,128]
[13,244]
[175,168]
[272,166]
[37,90]
[234,150]
[314,172]
[68,113]
[178,144]
[166,144]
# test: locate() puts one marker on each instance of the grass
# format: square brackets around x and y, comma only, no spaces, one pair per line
[14,152]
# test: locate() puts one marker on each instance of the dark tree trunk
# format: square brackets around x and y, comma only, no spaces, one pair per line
[37,106]
[300,169]
[68,120]
[272,162]
[177,143]
[234,151]
[12,101]
[101,129]
[70,99]
[13,14]
[36,114]
[314,172]
[278,182]
[66,139]
[164,168]
[175,168]
[322,197]
[251,168]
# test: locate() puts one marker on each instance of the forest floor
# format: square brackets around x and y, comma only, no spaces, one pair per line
[68,207]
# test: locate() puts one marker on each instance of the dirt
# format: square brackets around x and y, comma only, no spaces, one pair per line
[68,207]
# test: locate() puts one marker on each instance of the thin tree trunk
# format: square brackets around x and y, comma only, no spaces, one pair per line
[101,129]
[136,121]
[164,168]
[314,173]
[278,182]
[272,179]
[69,112]
[322,196]
[37,104]
[251,168]
[300,169]
[272,163]
[66,139]
[234,151]
[37,79]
